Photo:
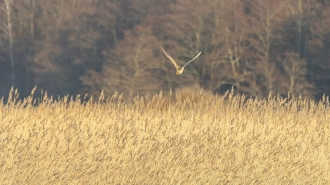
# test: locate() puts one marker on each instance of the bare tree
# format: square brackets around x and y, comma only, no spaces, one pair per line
[132,67]
[214,69]
[72,37]
[236,32]
[301,14]
[318,47]
[302,17]
[9,29]
[17,25]
[295,79]
[265,19]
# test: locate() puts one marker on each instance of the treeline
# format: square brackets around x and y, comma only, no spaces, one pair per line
[84,46]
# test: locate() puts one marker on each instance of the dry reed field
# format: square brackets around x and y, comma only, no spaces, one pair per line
[164,139]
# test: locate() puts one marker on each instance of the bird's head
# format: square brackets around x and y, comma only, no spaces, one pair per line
[179,71]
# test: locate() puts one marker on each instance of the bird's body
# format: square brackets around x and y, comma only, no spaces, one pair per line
[179,69]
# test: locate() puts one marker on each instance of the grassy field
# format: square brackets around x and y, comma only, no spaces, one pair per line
[186,138]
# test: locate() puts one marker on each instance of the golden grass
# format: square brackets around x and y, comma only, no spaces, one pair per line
[165,140]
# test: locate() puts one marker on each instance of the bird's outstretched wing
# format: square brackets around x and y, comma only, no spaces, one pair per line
[192,59]
[172,60]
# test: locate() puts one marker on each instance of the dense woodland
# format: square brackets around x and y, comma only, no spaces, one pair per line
[85,46]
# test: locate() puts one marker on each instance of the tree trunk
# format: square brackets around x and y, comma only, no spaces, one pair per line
[9,5]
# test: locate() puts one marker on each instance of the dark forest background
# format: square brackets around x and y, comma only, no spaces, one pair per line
[84,46]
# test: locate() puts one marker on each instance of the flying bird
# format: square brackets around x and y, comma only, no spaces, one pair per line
[179,69]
